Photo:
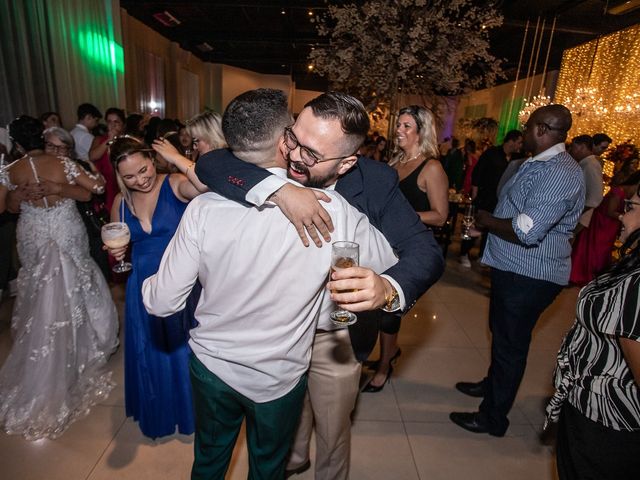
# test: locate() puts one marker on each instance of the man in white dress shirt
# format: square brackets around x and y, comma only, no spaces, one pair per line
[88,117]
[262,294]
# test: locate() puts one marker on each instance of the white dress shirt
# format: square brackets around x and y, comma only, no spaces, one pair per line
[83,139]
[592,170]
[258,196]
[263,291]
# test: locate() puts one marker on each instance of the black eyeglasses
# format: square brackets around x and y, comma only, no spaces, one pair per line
[56,148]
[546,125]
[308,157]
[630,205]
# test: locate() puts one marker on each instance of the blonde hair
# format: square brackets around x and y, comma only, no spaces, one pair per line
[427,136]
[206,126]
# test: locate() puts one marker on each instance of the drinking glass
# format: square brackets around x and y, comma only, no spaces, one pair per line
[344,255]
[117,235]
[468,221]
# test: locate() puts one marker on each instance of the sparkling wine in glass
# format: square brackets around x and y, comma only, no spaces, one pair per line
[117,235]
[344,255]
[468,221]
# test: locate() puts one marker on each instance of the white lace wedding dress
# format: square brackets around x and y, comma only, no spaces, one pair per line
[64,324]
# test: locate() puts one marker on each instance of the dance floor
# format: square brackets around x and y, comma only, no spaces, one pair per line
[402,432]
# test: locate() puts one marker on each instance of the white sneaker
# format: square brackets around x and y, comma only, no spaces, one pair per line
[464,261]
[13,287]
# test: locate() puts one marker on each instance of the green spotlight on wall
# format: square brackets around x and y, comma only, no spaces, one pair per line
[101,51]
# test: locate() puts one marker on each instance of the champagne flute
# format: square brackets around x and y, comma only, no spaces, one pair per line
[117,235]
[344,255]
[468,221]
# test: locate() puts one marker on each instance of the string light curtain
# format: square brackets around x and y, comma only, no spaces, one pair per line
[600,78]
[55,55]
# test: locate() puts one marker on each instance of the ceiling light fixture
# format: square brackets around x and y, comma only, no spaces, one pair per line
[624,7]
[204,47]
[166,19]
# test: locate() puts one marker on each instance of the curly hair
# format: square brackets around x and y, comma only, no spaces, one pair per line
[27,131]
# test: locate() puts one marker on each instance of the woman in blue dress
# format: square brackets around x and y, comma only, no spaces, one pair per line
[157,387]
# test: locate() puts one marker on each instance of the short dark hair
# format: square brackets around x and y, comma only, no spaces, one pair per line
[512,136]
[254,121]
[585,140]
[598,138]
[27,132]
[132,124]
[353,117]
[46,115]
[88,109]
[632,179]
[115,111]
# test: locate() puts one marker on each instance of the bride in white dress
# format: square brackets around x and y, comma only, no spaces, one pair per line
[64,322]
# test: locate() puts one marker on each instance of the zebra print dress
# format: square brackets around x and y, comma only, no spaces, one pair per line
[591,372]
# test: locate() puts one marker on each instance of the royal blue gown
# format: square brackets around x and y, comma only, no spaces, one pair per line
[157,385]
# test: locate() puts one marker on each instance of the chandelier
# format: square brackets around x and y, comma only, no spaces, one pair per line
[630,105]
[586,102]
[530,105]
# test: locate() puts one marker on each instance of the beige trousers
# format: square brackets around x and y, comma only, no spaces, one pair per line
[334,376]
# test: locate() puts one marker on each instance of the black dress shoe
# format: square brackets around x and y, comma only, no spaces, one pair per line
[294,471]
[473,389]
[473,422]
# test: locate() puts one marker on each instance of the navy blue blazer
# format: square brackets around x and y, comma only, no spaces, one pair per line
[371,187]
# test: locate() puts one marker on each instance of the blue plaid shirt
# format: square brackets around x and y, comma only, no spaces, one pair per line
[544,200]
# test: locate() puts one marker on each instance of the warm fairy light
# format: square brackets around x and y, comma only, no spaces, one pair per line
[530,105]
[586,102]
[605,71]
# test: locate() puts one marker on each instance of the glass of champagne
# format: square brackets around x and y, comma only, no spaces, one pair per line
[468,221]
[117,235]
[344,255]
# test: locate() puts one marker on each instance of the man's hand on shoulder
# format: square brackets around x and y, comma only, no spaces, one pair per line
[371,290]
[302,207]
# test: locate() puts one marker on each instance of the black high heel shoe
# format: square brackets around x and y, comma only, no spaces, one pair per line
[373,365]
[368,388]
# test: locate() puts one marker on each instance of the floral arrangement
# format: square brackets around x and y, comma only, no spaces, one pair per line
[625,159]
[378,49]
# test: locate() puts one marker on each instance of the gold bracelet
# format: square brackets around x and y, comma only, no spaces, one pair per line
[186,172]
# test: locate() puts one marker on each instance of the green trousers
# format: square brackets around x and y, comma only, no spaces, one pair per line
[219,411]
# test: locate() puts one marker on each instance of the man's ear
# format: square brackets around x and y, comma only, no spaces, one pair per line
[347,164]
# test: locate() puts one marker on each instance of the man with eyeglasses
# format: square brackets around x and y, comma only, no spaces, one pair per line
[319,153]
[262,293]
[529,253]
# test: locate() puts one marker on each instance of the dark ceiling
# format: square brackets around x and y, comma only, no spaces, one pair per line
[277,36]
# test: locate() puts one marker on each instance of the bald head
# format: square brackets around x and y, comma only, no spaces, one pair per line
[546,127]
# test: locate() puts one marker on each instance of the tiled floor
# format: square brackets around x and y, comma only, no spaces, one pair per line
[401,433]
